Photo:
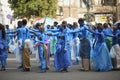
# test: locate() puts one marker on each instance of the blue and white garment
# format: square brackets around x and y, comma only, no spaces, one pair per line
[3,50]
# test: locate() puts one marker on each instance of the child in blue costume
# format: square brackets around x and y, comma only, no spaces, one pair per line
[62,58]
[3,47]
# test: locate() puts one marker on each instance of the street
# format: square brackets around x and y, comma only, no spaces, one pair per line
[12,73]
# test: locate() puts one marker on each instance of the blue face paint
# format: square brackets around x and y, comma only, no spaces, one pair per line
[81,24]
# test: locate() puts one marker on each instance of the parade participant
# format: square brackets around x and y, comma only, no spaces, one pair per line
[47,48]
[7,35]
[40,44]
[3,48]
[115,50]
[101,57]
[22,35]
[19,44]
[76,43]
[25,53]
[84,46]
[53,40]
[10,40]
[107,30]
[62,56]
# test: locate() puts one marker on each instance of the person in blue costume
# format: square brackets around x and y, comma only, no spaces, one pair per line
[3,48]
[76,43]
[19,43]
[7,35]
[69,41]
[53,40]
[19,33]
[39,42]
[69,38]
[23,34]
[62,57]
[118,27]
[47,47]
[9,38]
[107,30]
[101,56]
[85,47]
[115,50]
[26,51]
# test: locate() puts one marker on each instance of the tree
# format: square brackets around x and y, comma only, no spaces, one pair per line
[27,8]
[88,16]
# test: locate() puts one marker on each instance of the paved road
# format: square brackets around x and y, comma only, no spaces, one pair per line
[12,73]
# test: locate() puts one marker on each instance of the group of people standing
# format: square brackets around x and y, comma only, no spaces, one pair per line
[98,44]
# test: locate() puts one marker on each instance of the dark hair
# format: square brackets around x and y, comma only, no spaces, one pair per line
[64,22]
[24,21]
[118,25]
[99,27]
[2,28]
[55,23]
[37,25]
[19,24]
[75,24]
[80,20]
[105,25]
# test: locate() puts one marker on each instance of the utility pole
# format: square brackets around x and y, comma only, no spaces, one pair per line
[87,4]
[69,8]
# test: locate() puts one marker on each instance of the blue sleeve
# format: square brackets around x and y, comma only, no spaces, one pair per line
[35,30]
[53,30]
[15,30]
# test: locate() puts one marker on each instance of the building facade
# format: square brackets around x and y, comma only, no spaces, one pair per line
[5,12]
[103,10]
[118,10]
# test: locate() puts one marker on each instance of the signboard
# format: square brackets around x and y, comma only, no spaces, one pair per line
[9,16]
[102,18]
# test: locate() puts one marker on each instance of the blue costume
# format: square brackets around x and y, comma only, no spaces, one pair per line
[39,41]
[85,47]
[101,57]
[3,51]
[76,43]
[23,34]
[20,34]
[62,58]
[108,39]
[53,41]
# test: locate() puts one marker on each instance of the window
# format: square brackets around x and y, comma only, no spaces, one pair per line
[60,11]
[109,2]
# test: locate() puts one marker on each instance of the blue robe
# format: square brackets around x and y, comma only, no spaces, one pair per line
[101,57]
[40,39]
[3,50]
[62,57]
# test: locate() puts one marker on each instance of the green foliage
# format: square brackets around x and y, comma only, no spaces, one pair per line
[89,17]
[28,8]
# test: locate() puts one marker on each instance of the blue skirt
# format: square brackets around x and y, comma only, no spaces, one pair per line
[101,58]
[3,49]
[61,57]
